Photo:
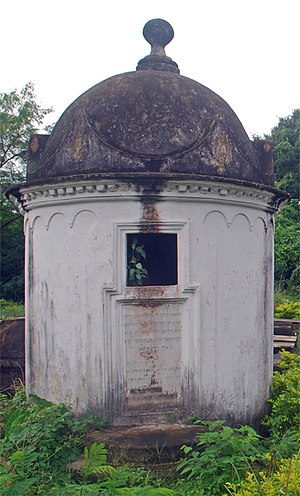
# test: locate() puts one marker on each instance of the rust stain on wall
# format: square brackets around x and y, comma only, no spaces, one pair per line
[151,219]
[153,343]
[148,296]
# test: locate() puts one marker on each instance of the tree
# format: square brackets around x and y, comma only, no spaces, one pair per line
[20,117]
[287,248]
[286,141]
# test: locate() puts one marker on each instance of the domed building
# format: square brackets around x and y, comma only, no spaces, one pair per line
[149,252]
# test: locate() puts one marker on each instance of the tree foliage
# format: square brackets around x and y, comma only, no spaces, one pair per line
[287,247]
[20,117]
[285,138]
[286,141]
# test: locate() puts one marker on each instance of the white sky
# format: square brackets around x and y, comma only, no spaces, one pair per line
[247,51]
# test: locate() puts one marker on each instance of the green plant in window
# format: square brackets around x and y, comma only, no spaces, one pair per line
[136,270]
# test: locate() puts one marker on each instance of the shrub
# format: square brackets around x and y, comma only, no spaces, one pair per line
[220,454]
[10,309]
[288,310]
[285,480]
[38,440]
[285,396]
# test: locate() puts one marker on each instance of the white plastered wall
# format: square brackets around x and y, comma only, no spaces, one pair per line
[76,295]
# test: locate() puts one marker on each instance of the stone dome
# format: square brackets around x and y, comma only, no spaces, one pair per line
[150,121]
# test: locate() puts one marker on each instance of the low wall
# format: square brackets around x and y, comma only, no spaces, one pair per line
[12,357]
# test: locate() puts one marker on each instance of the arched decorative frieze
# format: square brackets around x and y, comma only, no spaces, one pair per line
[260,221]
[26,225]
[242,216]
[81,213]
[69,222]
[250,219]
[54,217]
[32,217]
[35,220]
[221,214]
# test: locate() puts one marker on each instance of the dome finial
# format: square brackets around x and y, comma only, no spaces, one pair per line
[158,33]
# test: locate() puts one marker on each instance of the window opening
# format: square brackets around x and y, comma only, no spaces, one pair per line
[151,259]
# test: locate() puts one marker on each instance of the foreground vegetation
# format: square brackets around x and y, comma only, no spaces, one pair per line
[40,439]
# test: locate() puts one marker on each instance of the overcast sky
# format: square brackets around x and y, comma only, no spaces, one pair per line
[246,51]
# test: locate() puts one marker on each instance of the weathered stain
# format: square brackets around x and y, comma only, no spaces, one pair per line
[222,150]
[150,219]
[264,152]
[77,148]
[149,198]
[52,310]
[153,400]
[146,390]
[153,380]
[154,383]
[266,316]
[148,354]
[148,296]
[34,144]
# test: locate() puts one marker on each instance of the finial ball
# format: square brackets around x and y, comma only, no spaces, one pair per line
[158,32]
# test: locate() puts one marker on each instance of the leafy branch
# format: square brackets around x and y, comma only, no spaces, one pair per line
[136,270]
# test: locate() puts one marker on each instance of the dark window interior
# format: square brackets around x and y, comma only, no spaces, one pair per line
[159,268]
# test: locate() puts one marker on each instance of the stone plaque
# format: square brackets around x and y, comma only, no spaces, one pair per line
[152,355]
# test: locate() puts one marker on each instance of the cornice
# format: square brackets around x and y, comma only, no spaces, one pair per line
[34,196]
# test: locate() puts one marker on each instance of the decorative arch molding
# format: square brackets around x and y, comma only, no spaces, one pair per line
[251,220]
[36,219]
[26,225]
[243,216]
[261,220]
[47,222]
[217,212]
[82,211]
[52,217]
[71,220]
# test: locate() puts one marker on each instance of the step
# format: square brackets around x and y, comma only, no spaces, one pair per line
[144,445]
